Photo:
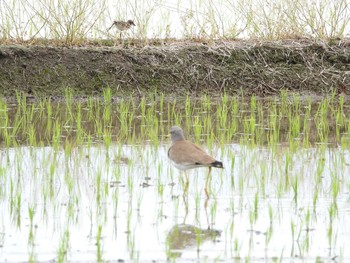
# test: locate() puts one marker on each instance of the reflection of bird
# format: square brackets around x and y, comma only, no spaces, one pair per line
[182,236]
[186,155]
[122,25]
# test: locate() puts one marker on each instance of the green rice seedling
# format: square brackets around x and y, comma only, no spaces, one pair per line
[256,206]
[241,185]
[252,128]
[160,190]
[98,244]
[115,201]
[287,167]
[236,247]
[213,211]
[63,247]
[207,102]
[292,227]
[197,128]
[234,106]
[99,129]
[222,111]
[260,136]
[253,103]
[68,97]
[248,130]
[274,127]
[67,150]
[175,115]
[98,187]
[143,106]
[124,109]
[27,118]
[80,132]
[262,181]
[269,234]
[32,257]
[322,121]
[107,138]
[15,207]
[284,105]
[31,236]
[21,101]
[188,110]
[56,136]
[198,233]
[31,213]
[340,119]
[153,129]
[69,182]
[332,212]
[133,254]
[107,96]
[90,108]
[294,131]
[4,124]
[306,124]
[48,128]
[319,172]
[32,135]
[307,220]
[130,185]
[295,187]
[335,187]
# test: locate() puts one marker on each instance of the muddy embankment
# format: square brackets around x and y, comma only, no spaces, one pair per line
[261,68]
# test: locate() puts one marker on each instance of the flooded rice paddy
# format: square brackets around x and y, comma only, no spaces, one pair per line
[90,180]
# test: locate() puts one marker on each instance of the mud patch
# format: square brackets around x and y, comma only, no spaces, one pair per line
[261,68]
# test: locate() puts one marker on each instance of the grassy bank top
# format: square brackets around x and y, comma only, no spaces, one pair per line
[178,67]
[75,22]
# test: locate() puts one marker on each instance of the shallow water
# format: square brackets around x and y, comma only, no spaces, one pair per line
[90,200]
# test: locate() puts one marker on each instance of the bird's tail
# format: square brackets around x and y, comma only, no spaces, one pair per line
[217,164]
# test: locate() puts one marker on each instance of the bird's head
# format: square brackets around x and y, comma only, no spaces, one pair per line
[130,22]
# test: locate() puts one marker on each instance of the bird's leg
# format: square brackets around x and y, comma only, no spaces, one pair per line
[206,190]
[185,200]
[206,208]
[187,182]
[185,195]
[207,184]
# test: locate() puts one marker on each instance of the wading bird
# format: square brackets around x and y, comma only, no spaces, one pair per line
[186,155]
[122,25]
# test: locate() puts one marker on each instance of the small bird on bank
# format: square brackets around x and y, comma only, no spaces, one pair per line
[122,25]
[186,155]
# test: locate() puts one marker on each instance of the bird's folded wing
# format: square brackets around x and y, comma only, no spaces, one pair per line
[187,152]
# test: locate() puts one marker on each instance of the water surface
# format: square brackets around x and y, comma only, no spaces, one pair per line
[85,191]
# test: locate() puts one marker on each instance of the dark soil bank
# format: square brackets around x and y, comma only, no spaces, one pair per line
[262,68]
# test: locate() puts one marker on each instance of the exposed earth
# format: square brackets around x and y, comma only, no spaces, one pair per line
[188,67]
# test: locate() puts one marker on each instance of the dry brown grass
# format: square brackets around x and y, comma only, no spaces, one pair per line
[254,67]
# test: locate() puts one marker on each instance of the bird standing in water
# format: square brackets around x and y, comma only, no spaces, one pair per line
[186,155]
[122,25]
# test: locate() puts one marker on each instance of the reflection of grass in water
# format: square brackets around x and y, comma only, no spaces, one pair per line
[183,236]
